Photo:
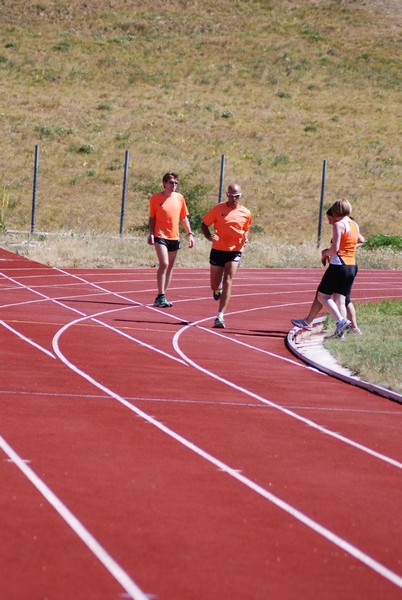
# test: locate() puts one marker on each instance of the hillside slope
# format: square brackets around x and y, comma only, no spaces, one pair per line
[276,87]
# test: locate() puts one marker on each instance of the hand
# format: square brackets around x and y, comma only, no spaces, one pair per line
[150,239]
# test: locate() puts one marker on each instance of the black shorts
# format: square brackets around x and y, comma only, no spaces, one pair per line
[218,258]
[171,245]
[338,279]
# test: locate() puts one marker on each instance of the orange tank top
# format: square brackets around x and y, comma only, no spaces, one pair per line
[347,246]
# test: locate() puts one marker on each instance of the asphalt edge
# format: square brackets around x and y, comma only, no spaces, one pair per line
[296,343]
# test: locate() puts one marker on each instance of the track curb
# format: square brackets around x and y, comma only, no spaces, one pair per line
[309,347]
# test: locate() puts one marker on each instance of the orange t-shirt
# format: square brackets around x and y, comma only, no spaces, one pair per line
[230,225]
[167,211]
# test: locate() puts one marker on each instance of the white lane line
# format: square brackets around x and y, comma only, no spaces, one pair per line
[190,401]
[210,374]
[26,339]
[381,569]
[134,303]
[86,537]
[282,409]
[133,339]
[83,317]
[70,297]
[255,348]
[233,472]
[42,296]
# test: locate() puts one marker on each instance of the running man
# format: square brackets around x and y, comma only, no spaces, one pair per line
[231,222]
[166,210]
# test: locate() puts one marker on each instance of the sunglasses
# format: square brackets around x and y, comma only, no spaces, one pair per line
[233,195]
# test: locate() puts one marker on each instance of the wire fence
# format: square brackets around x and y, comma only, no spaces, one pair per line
[75,197]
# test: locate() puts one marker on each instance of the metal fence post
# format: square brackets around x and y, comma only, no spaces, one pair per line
[324,174]
[123,196]
[35,187]
[221,177]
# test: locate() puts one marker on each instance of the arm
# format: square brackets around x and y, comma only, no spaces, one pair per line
[150,239]
[337,230]
[205,231]
[247,230]
[187,227]
[211,237]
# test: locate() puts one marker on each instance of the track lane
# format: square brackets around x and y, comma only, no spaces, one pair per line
[194,417]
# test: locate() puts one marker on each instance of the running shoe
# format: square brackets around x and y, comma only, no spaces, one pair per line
[341,326]
[162,302]
[302,324]
[219,323]
[217,294]
[355,330]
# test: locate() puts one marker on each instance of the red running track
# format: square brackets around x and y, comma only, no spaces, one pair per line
[146,455]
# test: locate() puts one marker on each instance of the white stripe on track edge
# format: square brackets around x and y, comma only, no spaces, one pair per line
[101,554]
[26,339]
[281,504]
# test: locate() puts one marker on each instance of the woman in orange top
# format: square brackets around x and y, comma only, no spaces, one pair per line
[338,279]
[231,221]
[166,210]
[316,306]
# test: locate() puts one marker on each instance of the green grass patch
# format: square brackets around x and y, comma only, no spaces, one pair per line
[384,241]
[375,356]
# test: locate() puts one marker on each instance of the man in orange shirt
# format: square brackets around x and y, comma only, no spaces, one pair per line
[166,210]
[231,221]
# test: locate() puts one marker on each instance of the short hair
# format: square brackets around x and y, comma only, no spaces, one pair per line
[167,176]
[329,212]
[341,208]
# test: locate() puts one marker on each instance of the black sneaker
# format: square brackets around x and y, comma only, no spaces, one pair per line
[162,302]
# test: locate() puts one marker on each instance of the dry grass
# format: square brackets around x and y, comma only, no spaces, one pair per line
[277,87]
[101,250]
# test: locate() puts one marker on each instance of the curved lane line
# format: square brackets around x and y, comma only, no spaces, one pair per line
[232,472]
[256,349]
[209,373]
[286,411]
[327,534]
[136,340]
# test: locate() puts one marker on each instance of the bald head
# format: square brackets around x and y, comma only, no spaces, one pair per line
[234,188]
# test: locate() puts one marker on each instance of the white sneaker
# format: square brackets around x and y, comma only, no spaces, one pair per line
[302,324]
[341,326]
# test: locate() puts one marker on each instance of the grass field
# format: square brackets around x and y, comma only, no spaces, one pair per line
[276,86]
[376,356]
